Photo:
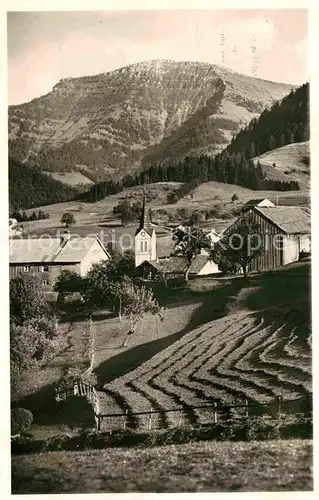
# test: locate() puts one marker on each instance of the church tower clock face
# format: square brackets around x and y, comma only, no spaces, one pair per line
[142,233]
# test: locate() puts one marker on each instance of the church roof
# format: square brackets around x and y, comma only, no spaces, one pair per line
[145,220]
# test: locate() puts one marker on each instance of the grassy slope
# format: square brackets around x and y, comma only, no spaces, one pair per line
[194,467]
[217,193]
[97,218]
[71,178]
[258,348]
[293,156]
[100,213]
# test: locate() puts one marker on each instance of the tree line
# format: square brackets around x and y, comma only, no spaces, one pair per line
[227,168]
[28,187]
[22,216]
[286,122]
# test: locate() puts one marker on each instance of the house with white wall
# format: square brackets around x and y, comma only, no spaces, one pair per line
[47,257]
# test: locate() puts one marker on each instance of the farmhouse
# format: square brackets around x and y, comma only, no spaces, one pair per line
[285,234]
[174,267]
[49,256]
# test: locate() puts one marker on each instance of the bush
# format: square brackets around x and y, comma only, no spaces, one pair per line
[250,429]
[21,419]
[263,428]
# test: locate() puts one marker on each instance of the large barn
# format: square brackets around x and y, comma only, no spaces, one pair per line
[285,234]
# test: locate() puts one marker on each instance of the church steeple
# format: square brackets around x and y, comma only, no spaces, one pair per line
[145,236]
[145,219]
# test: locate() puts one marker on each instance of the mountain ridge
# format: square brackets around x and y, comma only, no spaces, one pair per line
[120,121]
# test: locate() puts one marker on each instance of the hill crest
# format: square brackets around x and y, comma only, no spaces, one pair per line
[116,122]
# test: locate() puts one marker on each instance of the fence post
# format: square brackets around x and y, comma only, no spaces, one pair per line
[246,409]
[180,418]
[125,419]
[98,422]
[150,420]
[279,406]
[215,413]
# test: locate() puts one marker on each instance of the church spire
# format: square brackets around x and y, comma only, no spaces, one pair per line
[145,220]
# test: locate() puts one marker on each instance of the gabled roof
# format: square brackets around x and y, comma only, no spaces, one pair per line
[256,202]
[148,229]
[76,249]
[51,250]
[171,265]
[291,220]
[177,264]
[198,263]
[29,250]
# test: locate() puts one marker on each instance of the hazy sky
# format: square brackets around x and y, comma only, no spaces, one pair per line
[44,47]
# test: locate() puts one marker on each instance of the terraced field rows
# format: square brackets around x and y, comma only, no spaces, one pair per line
[230,360]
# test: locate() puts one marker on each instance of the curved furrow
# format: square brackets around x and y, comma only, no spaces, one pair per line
[164,383]
[121,405]
[271,356]
[211,373]
[139,399]
[293,335]
[231,361]
[159,382]
[284,367]
[188,373]
[290,350]
[138,376]
[251,365]
[159,419]
[175,349]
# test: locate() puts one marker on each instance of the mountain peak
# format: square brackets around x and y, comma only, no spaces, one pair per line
[149,111]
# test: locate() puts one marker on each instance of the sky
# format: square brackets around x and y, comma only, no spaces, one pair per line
[44,47]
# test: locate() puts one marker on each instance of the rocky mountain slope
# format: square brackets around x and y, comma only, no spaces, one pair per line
[116,122]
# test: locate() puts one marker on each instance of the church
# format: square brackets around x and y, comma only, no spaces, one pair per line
[149,266]
[145,237]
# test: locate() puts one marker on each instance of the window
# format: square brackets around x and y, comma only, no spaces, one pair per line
[26,269]
[45,282]
[141,246]
[46,269]
[145,246]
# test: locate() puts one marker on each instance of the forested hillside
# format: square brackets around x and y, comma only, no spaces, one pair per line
[28,187]
[286,122]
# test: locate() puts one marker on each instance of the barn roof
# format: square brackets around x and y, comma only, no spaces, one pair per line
[255,201]
[198,263]
[170,265]
[49,250]
[290,220]
[177,264]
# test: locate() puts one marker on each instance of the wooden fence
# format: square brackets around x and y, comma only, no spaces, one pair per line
[217,411]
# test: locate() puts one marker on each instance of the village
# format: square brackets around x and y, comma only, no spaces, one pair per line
[160,251]
[284,238]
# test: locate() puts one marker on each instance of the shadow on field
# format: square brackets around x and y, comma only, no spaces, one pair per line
[74,412]
[280,297]
[214,305]
[283,299]
[280,288]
